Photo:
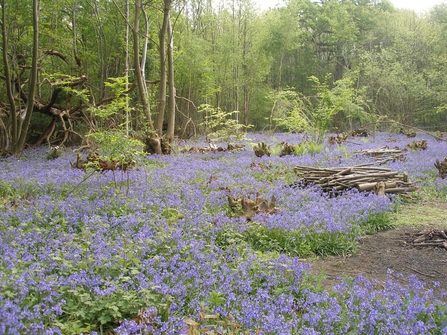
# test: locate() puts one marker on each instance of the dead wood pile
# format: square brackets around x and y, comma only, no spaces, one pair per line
[362,177]
[361,132]
[418,145]
[384,154]
[430,238]
[94,161]
[338,139]
[213,148]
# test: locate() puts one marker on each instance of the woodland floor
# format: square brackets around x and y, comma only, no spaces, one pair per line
[393,250]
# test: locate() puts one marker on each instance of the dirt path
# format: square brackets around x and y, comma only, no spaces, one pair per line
[392,250]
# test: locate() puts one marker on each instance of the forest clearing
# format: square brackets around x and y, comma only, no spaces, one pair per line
[161,249]
[205,167]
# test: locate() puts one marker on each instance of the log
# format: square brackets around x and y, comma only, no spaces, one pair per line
[370,186]
[402,189]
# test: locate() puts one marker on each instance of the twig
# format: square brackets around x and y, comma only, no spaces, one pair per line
[83,180]
[421,273]
[442,274]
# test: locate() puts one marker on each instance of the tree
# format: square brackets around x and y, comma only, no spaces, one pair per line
[9,87]
[141,82]
[163,75]
[19,128]
[394,73]
[20,143]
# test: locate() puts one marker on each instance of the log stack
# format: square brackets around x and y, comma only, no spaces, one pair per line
[362,177]
[384,154]
[430,238]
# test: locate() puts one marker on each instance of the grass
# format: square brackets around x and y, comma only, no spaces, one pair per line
[432,213]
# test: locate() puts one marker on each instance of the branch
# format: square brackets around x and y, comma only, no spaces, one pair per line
[57,54]
[53,98]
[153,82]
[75,82]
[186,99]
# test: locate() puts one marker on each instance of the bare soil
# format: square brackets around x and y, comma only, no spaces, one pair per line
[393,250]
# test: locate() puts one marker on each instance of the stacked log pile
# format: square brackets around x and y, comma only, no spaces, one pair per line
[430,238]
[384,154]
[213,148]
[362,177]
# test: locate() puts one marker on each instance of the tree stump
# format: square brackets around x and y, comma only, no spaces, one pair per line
[262,149]
[442,167]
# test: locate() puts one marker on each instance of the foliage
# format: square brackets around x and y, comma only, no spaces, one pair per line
[221,125]
[64,81]
[307,147]
[315,115]
[286,111]
[383,62]
[116,146]
[119,102]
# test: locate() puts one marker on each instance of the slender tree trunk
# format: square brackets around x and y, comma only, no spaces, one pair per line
[246,105]
[32,81]
[245,72]
[102,52]
[162,91]
[9,86]
[142,91]
[172,93]
[146,40]
[126,67]
[75,34]
[143,66]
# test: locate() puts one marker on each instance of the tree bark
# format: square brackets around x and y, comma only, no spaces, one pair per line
[163,79]
[9,86]
[172,92]
[142,90]
[32,81]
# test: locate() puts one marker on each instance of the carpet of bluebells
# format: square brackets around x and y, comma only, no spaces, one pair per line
[157,250]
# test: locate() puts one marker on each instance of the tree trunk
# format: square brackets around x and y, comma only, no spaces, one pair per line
[32,81]
[143,67]
[126,68]
[9,86]
[172,93]
[142,90]
[162,91]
